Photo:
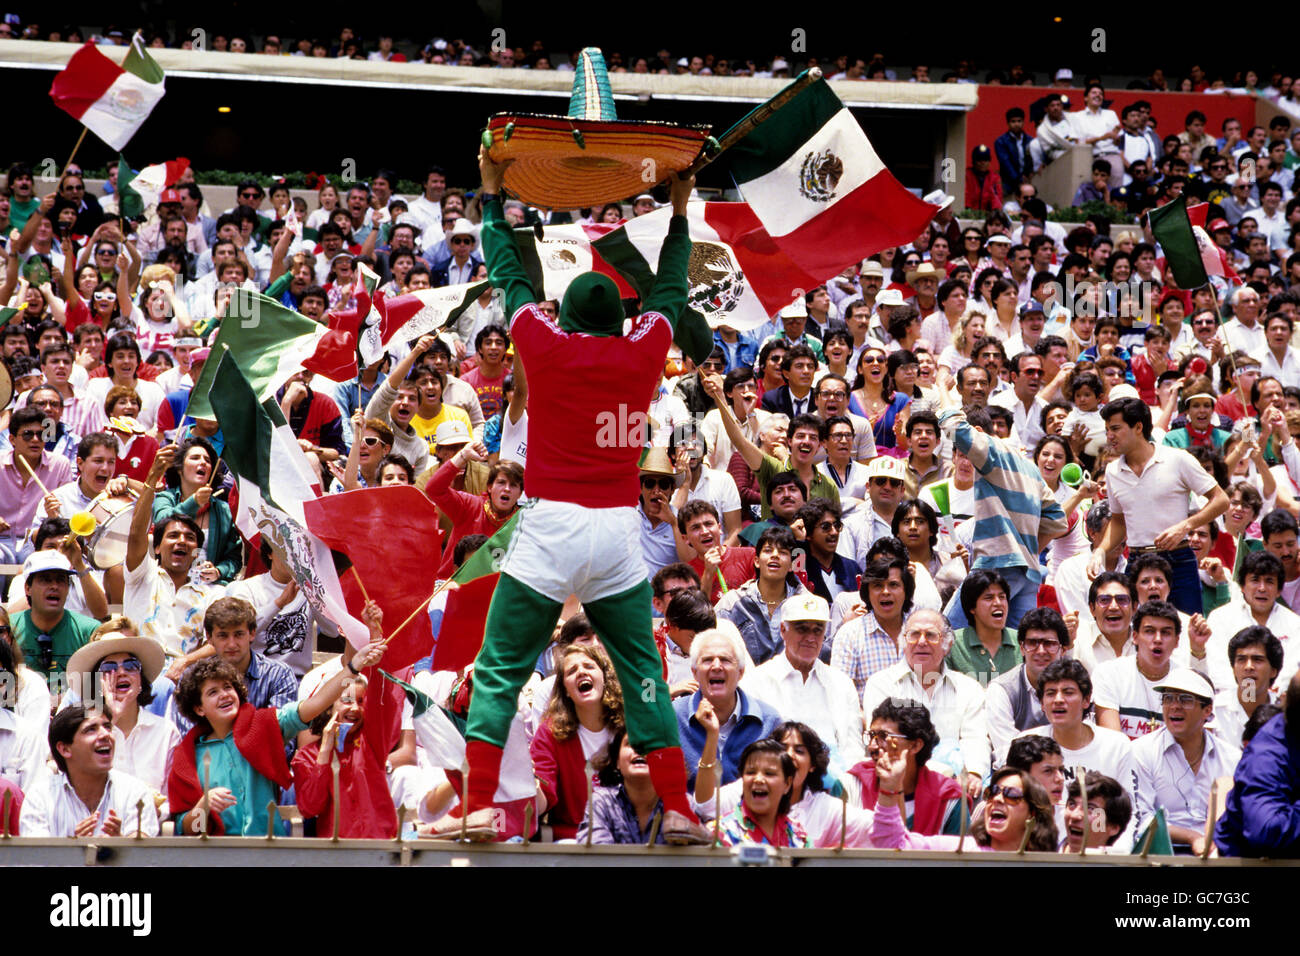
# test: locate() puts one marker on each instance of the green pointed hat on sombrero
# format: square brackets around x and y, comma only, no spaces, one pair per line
[590,156]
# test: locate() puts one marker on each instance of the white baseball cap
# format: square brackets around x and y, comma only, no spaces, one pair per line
[806,607]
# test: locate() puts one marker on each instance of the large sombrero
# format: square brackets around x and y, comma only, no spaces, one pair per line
[590,156]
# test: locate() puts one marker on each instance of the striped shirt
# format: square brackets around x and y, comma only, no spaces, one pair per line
[1012,503]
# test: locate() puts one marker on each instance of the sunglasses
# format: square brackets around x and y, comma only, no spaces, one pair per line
[882,736]
[131,666]
[370,441]
[830,526]
[249,195]
[462,241]
[881,482]
[1041,643]
[29,435]
[1009,794]
[1106,600]
[873,360]
[714,366]
[663,484]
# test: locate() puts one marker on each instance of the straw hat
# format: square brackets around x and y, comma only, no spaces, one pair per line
[590,156]
[86,659]
[925,270]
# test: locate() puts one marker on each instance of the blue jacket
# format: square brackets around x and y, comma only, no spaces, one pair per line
[1014,163]
[741,355]
[756,720]
[1263,814]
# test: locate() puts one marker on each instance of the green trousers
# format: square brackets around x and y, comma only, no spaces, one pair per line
[519,626]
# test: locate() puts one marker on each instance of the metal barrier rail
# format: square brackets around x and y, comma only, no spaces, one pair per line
[290,851]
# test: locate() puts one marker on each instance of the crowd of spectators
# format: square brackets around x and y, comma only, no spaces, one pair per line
[995,532]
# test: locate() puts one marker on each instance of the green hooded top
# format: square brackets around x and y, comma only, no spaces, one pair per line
[591,304]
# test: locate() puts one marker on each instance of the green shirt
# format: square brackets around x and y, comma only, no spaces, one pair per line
[20,212]
[252,791]
[970,657]
[72,631]
[822,486]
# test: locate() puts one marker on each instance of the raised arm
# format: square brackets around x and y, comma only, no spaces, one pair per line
[505,267]
[668,295]
[752,454]
[137,541]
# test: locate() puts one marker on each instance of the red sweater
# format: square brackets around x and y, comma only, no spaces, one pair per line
[367,806]
[737,568]
[933,791]
[138,458]
[561,771]
[469,514]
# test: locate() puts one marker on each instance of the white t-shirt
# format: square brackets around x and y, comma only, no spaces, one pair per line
[514,439]
[1119,686]
[1110,752]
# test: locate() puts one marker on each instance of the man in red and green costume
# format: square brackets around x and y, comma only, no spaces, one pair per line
[579,534]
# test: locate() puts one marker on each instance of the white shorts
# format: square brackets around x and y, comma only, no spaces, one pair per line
[560,548]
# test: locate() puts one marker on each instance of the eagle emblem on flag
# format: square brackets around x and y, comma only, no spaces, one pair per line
[717,284]
[819,174]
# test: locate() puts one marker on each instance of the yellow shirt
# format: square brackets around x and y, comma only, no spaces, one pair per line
[425,427]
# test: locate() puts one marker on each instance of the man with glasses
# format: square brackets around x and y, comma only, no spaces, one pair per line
[48,400]
[20,493]
[668,582]
[832,395]
[801,687]
[690,387]
[1023,399]
[955,701]
[932,800]
[659,479]
[1175,767]
[829,574]
[886,488]
[47,633]
[1205,341]
[72,189]
[459,269]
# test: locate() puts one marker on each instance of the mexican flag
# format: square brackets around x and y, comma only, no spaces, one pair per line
[1172,227]
[1213,258]
[1157,832]
[737,274]
[149,183]
[271,343]
[406,317]
[406,521]
[819,189]
[275,483]
[441,735]
[112,101]
[7,313]
[564,252]
[458,627]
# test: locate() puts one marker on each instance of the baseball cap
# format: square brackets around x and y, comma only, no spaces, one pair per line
[1187,680]
[1122,391]
[451,433]
[980,152]
[1217,224]
[805,607]
[889,297]
[47,561]
[886,466]
[872,268]
[1032,306]
[997,237]
[169,195]
[1065,73]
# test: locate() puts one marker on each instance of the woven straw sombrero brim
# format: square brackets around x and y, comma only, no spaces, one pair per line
[553,170]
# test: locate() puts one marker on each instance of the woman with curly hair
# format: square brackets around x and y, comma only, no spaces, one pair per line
[820,815]
[1017,811]
[585,712]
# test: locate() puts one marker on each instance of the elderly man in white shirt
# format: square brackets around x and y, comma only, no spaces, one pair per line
[87,797]
[800,687]
[955,701]
[1244,332]
[1176,766]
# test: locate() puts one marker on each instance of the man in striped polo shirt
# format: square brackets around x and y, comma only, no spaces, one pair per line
[1015,513]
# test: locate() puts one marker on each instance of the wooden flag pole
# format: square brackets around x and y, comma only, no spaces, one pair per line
[760,115]
[75,148]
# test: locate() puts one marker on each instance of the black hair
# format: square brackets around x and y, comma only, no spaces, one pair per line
[678,569]
[818,752]
[906,507]
[1065,669]
[690,610]
[1277,521]
[1161,609]
[1257,634]
[913,722]
[1030,749]
[768,746]
[1262,564]
[877,572]
[491,329]
[49,528]
[976,583]
[1119,808]
[1043,619]
[467,546]
[784,478]
[160,527]
[63,730]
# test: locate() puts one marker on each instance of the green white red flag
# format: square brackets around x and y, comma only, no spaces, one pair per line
[407,317]
[111,101]
[460,621]
[271,343]
[818,187]
[275,484]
